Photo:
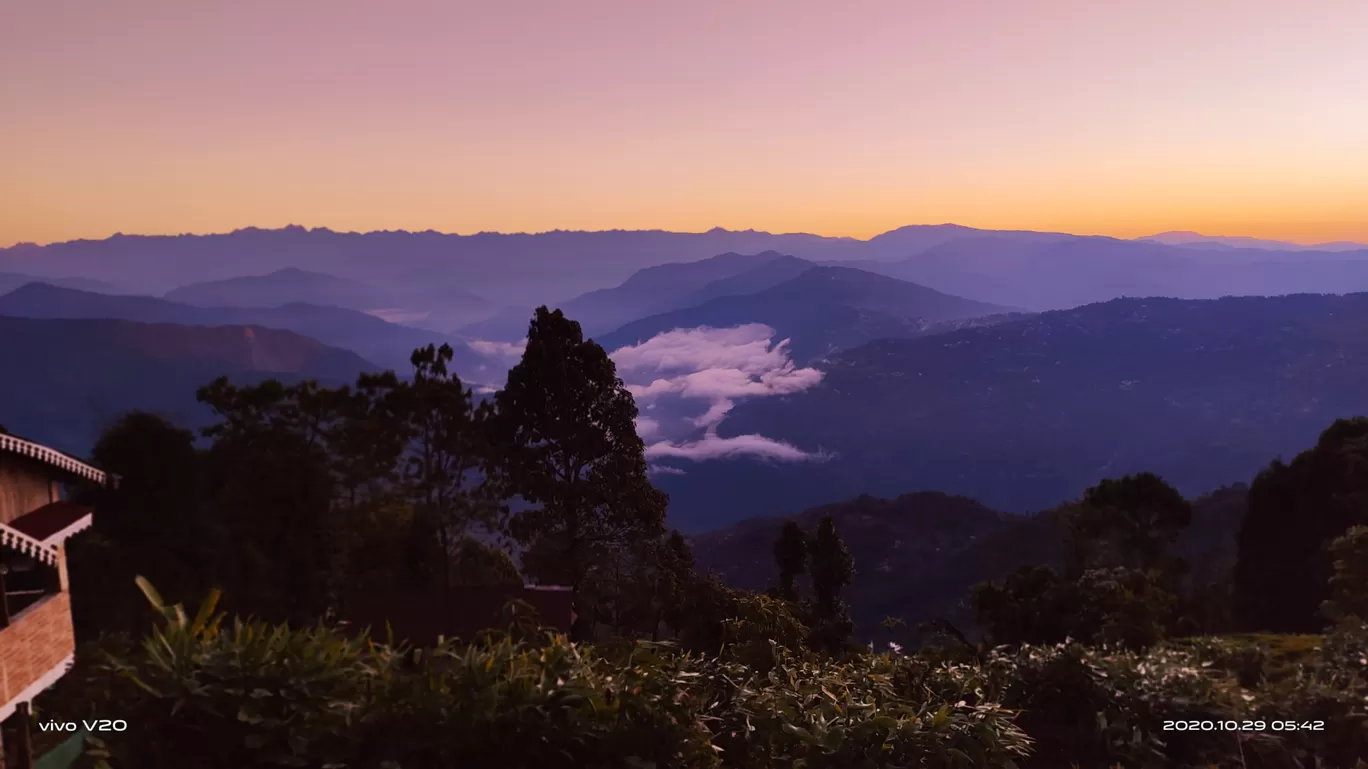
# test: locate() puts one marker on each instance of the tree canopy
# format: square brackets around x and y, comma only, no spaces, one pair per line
[1296,509]
[567,447]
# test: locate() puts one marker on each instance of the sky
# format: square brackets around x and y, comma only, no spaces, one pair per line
[1227,117]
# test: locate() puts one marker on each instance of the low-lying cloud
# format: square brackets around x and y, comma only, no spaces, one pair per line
[713,446]
[719,367]
[500,349]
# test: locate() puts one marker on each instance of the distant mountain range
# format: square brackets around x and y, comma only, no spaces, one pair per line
[65,380]
[427,306]
[929,380]
[651,291]
[509,269]
[822,310]
[281,287]
[436,274]
[1022,415]
[1195,240]
[10,281]
[1053,272]
[386,344]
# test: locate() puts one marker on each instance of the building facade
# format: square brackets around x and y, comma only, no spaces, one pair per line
[461,613]
[37,642]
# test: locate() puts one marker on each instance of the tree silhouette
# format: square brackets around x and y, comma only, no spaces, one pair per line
[1120,584]
[271,485]
[1128,522]
[152,523]
[1349,579]
[567,447]
[1282,569]
[791,555]
[832,569]
[443,469]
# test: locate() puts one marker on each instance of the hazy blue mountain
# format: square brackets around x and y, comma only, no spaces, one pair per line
[1024,414]
[65,380]
[914,239]
[821,310]
[435,274]
[386,344]
[11,280]
[648,291]
[1043,273]
[283,287]
[432,307]
[1196,240]
[508,269]
[758,278]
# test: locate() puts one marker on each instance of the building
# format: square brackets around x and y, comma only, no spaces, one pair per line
[37,643]
[421,618]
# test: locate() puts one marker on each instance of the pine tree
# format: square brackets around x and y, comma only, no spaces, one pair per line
[832,570]
[791,555]
[567,446]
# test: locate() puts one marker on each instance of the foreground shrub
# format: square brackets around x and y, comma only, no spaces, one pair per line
[1332,687]
[1098,707]
[206,692]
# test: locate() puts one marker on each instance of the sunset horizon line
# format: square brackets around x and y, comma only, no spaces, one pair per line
[1302,242]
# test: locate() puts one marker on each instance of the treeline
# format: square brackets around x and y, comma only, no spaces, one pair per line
[1298,560]
[302,495]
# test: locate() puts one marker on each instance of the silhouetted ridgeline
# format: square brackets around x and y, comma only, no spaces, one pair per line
[385,344]
[821,310]
[1036,271]
[67,380]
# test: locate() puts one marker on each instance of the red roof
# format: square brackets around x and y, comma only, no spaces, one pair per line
[58,518]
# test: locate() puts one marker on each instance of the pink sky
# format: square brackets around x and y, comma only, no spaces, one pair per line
[844,118]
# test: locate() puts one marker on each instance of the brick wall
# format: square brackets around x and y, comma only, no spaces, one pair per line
[37,640]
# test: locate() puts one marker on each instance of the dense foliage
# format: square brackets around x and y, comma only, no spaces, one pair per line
[213,692]
[304,496]
[1295,510]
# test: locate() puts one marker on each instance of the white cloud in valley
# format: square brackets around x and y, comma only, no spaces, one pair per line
[717,367]
[712,446]
[499,349]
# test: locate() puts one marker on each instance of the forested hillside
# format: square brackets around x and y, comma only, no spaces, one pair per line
[67,380]
[1022,415]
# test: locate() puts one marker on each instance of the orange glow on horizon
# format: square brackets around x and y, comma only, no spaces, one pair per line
[160,117]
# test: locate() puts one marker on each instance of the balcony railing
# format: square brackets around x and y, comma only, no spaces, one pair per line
[17,445]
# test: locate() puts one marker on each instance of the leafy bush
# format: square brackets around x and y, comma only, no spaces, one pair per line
[1101,707]
[206,692]
[1331,687]
[250,694]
